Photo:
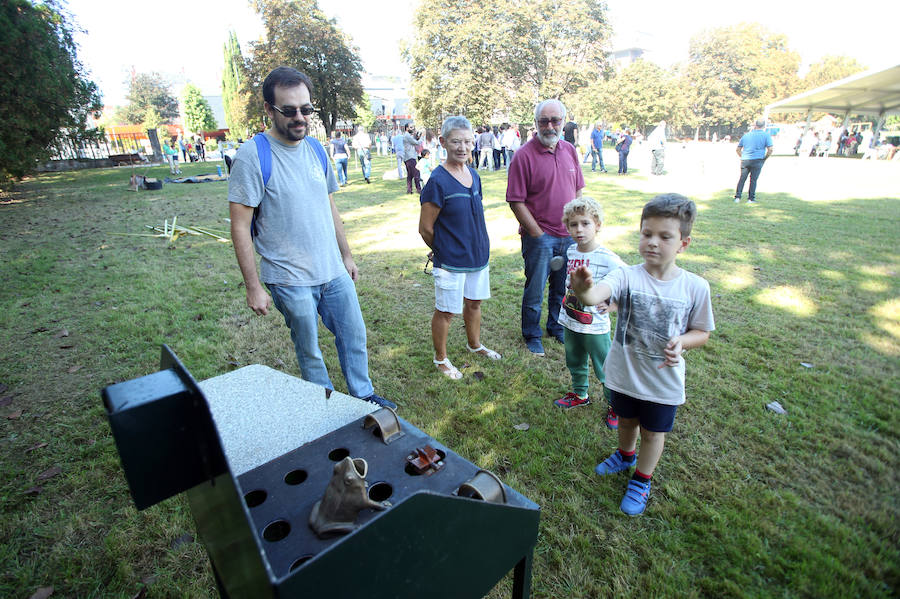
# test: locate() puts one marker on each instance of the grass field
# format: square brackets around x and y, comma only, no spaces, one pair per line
[746,503]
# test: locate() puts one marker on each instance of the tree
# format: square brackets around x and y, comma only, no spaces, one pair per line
[44,92]
[457,60]
[829,69]
[492,61]
[365,117]
[235,98]
[298,34]
[145,90]
[198,115]
[735,71]
[640,95]
[556,57]
[152,119]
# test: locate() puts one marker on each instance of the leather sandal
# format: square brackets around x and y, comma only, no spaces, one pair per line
[452,371]
[488,353]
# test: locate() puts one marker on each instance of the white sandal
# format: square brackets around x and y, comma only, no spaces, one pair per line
[452,371]
[488,353]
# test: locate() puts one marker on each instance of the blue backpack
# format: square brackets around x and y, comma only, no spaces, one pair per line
[264,150]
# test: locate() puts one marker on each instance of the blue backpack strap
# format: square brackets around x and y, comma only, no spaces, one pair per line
[320,152]
[264,151]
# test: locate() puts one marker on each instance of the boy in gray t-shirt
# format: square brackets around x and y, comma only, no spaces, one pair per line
[663,311]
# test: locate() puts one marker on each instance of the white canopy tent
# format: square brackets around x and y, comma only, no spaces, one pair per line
[875,92]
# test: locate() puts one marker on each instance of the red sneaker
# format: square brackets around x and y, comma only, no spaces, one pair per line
[570,400]
[612,421]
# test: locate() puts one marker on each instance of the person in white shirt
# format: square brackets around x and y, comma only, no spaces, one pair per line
[361,143]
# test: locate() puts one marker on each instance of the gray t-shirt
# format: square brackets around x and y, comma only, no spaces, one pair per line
[295,235]
[650,313]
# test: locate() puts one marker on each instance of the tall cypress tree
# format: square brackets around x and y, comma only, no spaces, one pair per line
[233,92]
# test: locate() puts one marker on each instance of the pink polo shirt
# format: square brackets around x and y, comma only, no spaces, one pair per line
[546,181]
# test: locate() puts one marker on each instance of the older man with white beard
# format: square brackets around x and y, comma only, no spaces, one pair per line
[544,176]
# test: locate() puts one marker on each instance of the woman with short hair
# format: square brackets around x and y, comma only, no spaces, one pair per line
[453,226]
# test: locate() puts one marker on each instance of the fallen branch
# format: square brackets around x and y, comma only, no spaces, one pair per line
[172,231]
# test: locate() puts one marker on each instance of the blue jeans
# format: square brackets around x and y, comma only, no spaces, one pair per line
[400,163]
[751,168]
[337,304]
[341,170]
[623,161]
[595,153]
[537,252]
[509,155]
[365,163]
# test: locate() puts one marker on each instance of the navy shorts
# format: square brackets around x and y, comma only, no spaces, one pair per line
[655,417]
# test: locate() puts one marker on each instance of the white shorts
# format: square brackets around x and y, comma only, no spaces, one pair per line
[451,287]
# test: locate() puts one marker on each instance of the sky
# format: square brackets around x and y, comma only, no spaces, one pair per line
[184,39]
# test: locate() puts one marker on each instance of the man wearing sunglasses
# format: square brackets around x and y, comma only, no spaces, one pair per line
[544,175]
[305,260]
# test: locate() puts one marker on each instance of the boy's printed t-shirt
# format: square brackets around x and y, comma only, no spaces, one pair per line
[575,316]
[650,312]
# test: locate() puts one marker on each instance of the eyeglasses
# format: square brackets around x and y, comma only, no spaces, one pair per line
[551,121]
[290,111]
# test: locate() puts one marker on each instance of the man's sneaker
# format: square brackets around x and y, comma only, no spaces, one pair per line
[380,401]
[535,346]
[612,420]
[752,202]
[636,495]
[614,463]
[571,400]
[737,199]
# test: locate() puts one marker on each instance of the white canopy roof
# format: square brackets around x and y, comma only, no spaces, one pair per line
[875,92]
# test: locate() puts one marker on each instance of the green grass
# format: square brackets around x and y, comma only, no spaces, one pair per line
[745,502]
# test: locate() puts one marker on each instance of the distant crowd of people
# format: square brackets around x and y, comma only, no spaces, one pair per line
[419,151]
[843,142]
[192,149]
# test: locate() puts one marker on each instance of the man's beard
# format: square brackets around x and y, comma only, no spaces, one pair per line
[291,134]
[548,137]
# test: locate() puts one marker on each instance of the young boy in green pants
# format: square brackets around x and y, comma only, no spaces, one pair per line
[586,328]
[663,310]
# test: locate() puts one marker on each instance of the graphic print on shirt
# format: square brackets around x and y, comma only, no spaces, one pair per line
[646,323]
[571,304]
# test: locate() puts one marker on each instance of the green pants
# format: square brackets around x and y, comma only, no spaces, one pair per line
[582,348]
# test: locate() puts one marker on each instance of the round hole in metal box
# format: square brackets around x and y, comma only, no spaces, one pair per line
[300,561]
[295,477]
[276,531]
[336,455]
[255,497]
[380,491]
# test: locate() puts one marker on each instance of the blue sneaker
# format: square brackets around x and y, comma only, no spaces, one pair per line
[614,463]
[636,495]
[380,401]
[535,346]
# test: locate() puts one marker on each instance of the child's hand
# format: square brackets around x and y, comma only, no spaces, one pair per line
[602,307]
[672,352]
[581,279]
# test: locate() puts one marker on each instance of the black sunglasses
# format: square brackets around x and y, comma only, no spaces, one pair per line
[290,111]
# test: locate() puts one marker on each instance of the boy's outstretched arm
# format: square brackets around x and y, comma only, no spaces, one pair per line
[680,343]
[586,290]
